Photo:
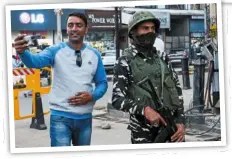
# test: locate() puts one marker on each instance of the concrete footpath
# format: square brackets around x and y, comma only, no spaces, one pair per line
[25,137]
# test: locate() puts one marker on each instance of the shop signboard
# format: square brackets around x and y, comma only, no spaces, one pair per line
[100,18]
[44,19]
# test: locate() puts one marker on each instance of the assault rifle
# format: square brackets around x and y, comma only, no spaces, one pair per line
[167,131]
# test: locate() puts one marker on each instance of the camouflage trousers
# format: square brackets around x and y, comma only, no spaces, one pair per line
[138,138]
[141,130]
[144,137]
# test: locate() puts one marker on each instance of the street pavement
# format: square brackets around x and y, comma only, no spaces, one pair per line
[118,134]
[25,137]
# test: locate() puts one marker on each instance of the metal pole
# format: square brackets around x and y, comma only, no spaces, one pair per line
[198,87]
[120,18]
[117,32]
[215,82]
[185,73]
[198,83]
[205,21]
[58,13]
[215,85]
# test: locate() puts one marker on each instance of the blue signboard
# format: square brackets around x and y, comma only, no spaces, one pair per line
[33,19]
[38,20]
[196,25]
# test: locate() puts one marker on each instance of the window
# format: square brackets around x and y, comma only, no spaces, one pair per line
[197,6]
[148,7]
[101,40]
[175,7]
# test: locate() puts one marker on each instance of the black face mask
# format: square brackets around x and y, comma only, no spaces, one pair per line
[145,41]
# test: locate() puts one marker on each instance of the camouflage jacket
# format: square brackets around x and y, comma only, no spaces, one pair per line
[120,100]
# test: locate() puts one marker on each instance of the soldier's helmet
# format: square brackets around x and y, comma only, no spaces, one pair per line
[140,17]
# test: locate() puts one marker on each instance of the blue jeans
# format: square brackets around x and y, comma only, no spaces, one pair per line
[63,131]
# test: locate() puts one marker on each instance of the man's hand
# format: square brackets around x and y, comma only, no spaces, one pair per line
[180,133]
[82,98]
[153,116]
[20,44]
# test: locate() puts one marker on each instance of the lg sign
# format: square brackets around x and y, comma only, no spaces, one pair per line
[26,18]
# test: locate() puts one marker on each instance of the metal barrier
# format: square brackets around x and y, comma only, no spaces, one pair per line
[33,84]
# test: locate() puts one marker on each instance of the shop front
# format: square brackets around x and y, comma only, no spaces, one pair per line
[101,33]
[177,37]
[196,29]
[101,25]
[42,22]
[164,18]
[197,34]
[31,22]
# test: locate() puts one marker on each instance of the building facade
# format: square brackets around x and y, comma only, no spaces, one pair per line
[180,25]
[184,24]
[41,21]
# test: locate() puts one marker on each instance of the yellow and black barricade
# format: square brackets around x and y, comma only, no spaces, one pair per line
[32,83]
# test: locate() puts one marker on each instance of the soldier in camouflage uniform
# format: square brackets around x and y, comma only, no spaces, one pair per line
[138,61]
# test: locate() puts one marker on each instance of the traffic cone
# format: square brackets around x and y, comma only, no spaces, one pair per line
[38,121]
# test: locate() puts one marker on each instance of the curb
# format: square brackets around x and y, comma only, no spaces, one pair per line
[99,113]
[99,107]
[115,113]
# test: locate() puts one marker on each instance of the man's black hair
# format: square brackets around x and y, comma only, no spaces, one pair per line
[79,15]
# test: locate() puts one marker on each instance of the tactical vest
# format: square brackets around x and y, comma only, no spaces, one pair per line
[161,79]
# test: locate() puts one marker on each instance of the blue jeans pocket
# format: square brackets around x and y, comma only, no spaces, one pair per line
[60,132]
[56,118]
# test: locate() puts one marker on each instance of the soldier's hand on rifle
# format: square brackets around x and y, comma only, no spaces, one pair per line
[20,44]
[180,133]
[153,116]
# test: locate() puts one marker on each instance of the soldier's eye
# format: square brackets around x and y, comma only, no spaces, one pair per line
[146,28]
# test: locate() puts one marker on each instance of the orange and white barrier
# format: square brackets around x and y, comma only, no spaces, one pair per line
[23,71]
